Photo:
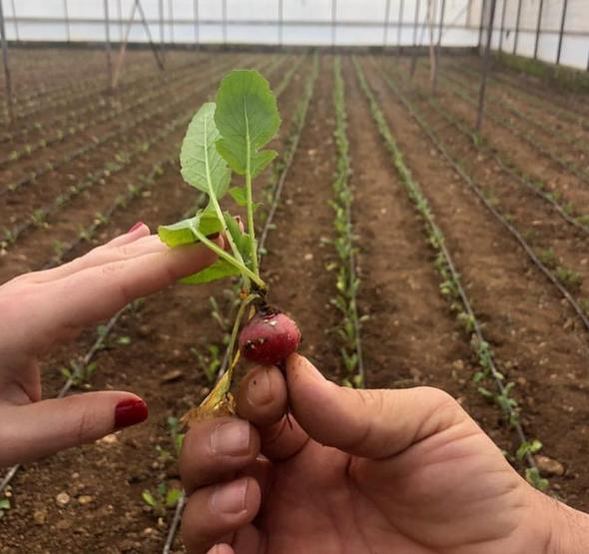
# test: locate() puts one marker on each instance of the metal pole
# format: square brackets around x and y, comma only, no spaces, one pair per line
[333,21]
[280,22]
[67,21]
[162,27]
[400,28]
[439,47]
[538,29]
[486,67]
[171,18]
[502,26]
[483,5]
[196,29]
[16,31]
[385,32]
[224,17]
[561,33]
[415,30]
[152,45]
[7,80]
[517,21]
[107,45]
[120,16]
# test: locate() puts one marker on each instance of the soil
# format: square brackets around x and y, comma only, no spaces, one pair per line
[411,337]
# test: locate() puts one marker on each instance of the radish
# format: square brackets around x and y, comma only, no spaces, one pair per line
[269,338]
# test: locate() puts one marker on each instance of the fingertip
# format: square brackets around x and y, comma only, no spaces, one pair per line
[262,396]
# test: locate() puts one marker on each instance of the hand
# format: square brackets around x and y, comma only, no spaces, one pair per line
[351,471]
[40,310]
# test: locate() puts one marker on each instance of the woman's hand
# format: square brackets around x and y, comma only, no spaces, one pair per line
[357,471]
[40,310]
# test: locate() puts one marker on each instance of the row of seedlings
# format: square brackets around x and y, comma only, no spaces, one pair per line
[453,290]
[156,95]
[347,281]
[122,161]
[556,277]
[213,366]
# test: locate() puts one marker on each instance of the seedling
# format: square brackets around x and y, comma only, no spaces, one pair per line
[161,499]
[4,506]
[224,137]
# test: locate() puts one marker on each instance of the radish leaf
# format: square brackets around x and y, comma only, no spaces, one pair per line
[177,234]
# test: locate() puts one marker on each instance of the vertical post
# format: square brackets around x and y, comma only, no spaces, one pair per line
[152,45]
[387,15]
[333,21]
[481,25]
[502,25]
[107,45]
[171,19]
[538,29]
[561,32]
[400,27]
[7,81]
[162,27]
[280,22]
[439,47]
[224,17]
[415,31]
[16,31]
[485,67]
[196,28]
[67,21]
[517,22]
[120,17]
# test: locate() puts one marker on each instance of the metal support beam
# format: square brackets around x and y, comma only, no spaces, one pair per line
[107,45]
[438,52]
[224,19]
[120,18]
[280,22]
[196,26]
[517,22]
[387,16]
[152,45]
[481,25]
[400,28]
[333,21]
[162,27]
[561,32]
[502,25]
[171,19]
[415,31]
[538,29]
[7,79]
[67,21]
[16,31]
[485,67]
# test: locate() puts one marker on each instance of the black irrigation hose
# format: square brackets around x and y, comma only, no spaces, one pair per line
[473,186]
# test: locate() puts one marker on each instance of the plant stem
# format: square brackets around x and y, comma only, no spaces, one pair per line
[250,197]
[228,258]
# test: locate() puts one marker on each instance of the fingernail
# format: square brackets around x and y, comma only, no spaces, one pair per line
[232,439]
[135,227]
[129,412]
[259,390]
[230,499]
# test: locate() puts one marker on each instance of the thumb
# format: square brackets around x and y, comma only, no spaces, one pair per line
[369,423]
[35,430]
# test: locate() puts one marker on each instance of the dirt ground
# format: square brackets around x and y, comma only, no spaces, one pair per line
[88,499]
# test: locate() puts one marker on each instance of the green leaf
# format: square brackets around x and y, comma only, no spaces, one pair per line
[219,270]
[247,118]
[178,234]
[239,195]
[172,497]
[148,498]
[242,240]
[202,166]
[4,504]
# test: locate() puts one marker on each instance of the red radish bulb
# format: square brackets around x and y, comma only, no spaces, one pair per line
[269,339]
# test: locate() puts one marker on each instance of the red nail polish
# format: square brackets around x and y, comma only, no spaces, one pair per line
[136,226]
[129,412]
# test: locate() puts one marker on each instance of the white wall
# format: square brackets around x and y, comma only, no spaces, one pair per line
[360,22]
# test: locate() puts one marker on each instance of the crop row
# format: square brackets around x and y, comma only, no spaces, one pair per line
[473,186]
[48,167]
[455,293]
[347,281]
[567,211]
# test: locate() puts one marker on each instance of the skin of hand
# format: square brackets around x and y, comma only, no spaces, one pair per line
[359,471]
[42,309]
